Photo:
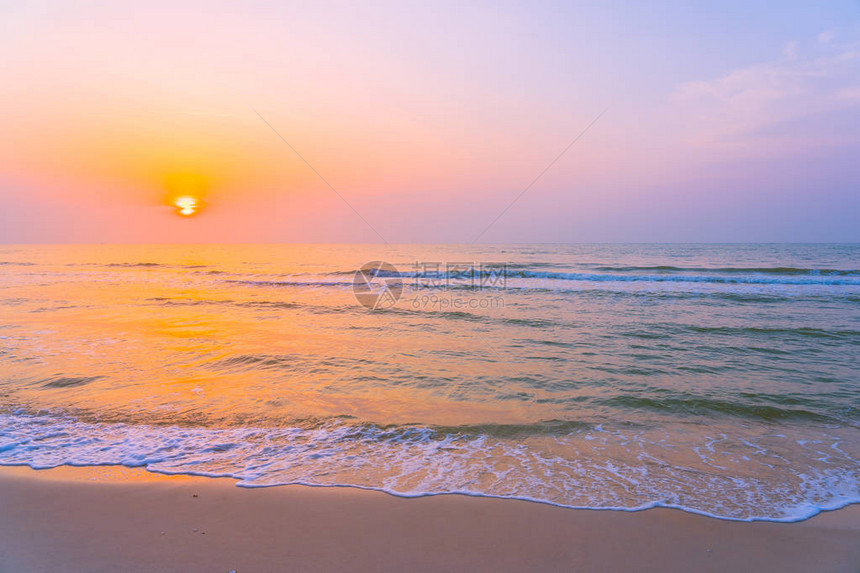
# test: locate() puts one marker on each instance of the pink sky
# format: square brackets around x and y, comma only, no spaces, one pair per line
[429,120]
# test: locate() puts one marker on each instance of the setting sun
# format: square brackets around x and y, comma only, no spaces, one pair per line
[186,205]
[186,193]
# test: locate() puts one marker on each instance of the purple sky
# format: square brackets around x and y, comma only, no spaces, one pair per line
[724,121]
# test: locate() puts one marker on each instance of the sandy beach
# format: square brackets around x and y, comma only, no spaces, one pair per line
[116,519]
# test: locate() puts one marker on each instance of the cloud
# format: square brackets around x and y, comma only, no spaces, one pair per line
[827,36]
[772,106]
[790,50]
[851,94]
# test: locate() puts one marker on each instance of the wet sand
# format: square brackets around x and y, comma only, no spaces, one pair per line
[114,519]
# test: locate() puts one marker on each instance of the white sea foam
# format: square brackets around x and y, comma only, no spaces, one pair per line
[597,468]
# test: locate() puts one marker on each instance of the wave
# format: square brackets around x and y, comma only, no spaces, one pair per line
[496,277]
[69,381]
[420,281]
[135,265]
[789,271]
[848,335]
[728,279]
[264,283]
[257,362]
[705,406]
[752,475]
[142,265]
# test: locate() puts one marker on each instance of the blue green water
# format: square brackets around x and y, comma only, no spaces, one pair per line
[721,379]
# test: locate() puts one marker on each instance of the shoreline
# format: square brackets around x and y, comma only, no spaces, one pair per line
[119,472]
[112,518]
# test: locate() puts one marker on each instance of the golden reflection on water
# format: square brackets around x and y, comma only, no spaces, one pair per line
[165,336]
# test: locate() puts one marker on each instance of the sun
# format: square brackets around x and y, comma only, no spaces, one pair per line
[186,192]
[186,205]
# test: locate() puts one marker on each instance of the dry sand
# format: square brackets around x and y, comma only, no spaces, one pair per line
[115,520]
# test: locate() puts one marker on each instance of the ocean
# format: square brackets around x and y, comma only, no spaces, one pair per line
[718,379]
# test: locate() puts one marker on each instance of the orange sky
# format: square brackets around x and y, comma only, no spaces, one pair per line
[429,119]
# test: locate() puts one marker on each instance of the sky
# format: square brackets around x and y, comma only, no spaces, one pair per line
[429,122]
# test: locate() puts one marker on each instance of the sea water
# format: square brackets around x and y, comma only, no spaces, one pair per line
[720,379]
